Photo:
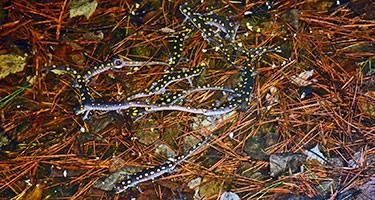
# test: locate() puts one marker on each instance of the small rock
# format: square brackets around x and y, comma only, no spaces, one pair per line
[365,160]
[368,188]
[316,154]
[284,162]
[336,161]
[108,183]
[193,184]
[229,196]
[165,150]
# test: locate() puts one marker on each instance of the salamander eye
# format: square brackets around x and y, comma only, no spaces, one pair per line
[117,62]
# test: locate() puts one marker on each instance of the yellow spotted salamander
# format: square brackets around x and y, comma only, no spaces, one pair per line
[80,82]
[198,21]
[222,24]
[159,86]
[178,44]
[250,53]
[203,24]
[245,87]
[240,99]
[174,97]
[117,64]
[242,93]
[155,172]
[137,108]
[227,107]
[110,106]
[178,96]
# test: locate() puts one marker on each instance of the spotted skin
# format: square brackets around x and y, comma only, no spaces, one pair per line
[251,54]
[81,84]
[227,107]
[111,106]
[85,96]
[81,81]
[68,69]
[174,97]
[255,52]
[155,172]
[116,64]
[178,44]
[198,21]
[203,24]
[222,24]
[242,95]
[246,86]
[178,96]
[159,86]
[165,99]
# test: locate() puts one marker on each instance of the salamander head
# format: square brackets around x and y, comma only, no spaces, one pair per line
[118,64]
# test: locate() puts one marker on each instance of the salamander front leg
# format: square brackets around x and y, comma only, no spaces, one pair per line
[88,115]
[190,82]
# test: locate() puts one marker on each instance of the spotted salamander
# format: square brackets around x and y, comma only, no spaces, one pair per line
[245,87]
[229,106]
[222,24]
[117,64]
[80,81]
[203,24]
[178,44]
[159,86]
[198,21]
[110,106]
[255,52]
[155,172]
[242,92]
[178,96]
[174,97]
